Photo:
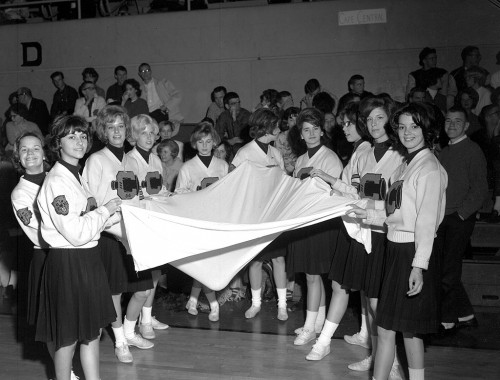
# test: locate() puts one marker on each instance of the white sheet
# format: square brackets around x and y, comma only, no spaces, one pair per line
[213,233]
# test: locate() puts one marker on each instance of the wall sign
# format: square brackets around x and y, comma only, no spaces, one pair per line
[32,59]
[363,16]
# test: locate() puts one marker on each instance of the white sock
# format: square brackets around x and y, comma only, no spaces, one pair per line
[417,374]
[363,332]
[396,361]
[281,297]
[146,314]
[212,300]
[119,335]
[311,317]
[327,332]
[321,315]
[195,293]
[256,300]
[129,328]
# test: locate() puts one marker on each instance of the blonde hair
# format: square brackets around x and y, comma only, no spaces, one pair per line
[139,123]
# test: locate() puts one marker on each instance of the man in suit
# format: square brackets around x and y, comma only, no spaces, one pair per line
[38,111]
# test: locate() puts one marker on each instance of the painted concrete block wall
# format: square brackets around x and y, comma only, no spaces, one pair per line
[253,48]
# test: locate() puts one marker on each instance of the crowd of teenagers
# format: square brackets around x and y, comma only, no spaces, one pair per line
[416,164]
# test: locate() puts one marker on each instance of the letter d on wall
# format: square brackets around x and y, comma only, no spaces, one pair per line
[37,49]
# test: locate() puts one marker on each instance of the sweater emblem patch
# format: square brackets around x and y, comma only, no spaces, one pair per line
[24,215]
[61,205]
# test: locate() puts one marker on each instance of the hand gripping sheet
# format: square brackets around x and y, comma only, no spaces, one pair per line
[213,233]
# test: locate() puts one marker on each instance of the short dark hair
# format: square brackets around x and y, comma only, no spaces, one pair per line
[311,86]
[63,126]
[424,53]
[466,51]
[229,96]
[107,115]
[134,84]
[353,79]
[144,64]
[56,74]
[263,121]
[271,95]
[414,90]
[460,110]
[422,116]
[324,102]
[90,71]
[217,89]
[120,68]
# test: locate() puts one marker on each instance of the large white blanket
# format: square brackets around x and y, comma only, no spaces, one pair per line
[213,233]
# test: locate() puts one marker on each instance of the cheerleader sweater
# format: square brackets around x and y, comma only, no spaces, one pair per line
[415,205]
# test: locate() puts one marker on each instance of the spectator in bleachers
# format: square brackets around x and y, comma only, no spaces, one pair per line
[355,86]
[168,151]
[495,77]
[467,99]
[232,124]
[285,100]
[90,74]
[475,78]
[163,98]
[312,88]
[37,109]
[456,80]
[131,100]
[64,99]
[427,59]
[90,104]
[18,125]
[289,120]
[217,105]
[432,82]
[115,91]
[269,99]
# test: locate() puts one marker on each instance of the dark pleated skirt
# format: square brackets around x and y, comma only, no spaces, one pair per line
[375,265]
[398,312]
[349,262]
[75,299]
[120,269]
[311,249]
[34,282]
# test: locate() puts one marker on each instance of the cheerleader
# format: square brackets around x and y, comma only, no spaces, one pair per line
[199,172]
[75,300]
[100,171]
[310,249]
[264,128]
[359,271]
[415,207]
[141,161]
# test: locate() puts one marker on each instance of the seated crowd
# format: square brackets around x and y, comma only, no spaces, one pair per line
[426,168]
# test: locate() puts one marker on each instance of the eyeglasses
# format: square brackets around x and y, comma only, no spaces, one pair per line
[345,124]
[234,103]
[88,88]
[145,70]
[493,113]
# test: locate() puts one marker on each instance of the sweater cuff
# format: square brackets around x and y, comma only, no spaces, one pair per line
[420,262]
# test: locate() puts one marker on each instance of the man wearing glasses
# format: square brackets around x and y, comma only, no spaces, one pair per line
[38,112]
[163,98]
[232,124]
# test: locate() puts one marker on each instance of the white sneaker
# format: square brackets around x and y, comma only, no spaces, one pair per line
[123,354]
[252,312]
[317,328]
[139,342]
[364,365]
[73,376]
[395,373]
[214,314]
[318,352]
[358,340]
[146,330]
[191,307]
[157,325]
[304,337]
[282,314]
